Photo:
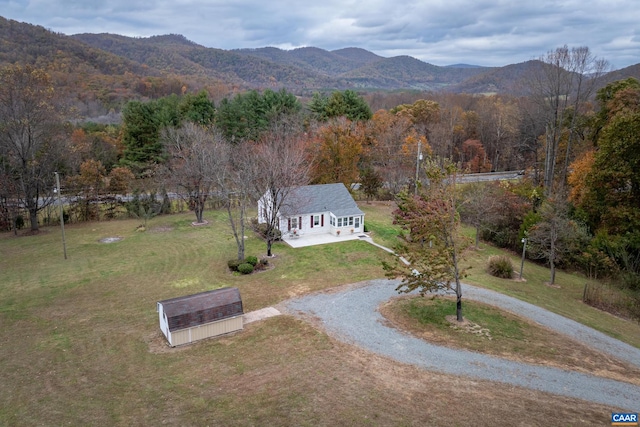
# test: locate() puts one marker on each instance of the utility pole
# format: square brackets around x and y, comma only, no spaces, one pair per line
[64,244]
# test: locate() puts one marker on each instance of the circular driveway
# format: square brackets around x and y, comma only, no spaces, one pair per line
[351,315]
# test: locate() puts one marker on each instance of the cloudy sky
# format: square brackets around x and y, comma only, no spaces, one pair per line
[441,32]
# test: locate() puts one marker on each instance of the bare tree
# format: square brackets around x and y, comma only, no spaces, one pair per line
[30,135]
[392,153]
[498,123]
[478,205]
[281,166]
[552,237]
[565,79]
[236,184]
[196,154]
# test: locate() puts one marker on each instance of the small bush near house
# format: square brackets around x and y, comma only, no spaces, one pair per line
[253,260]
[245,268]
[261,265]
[234,263]
[500,266]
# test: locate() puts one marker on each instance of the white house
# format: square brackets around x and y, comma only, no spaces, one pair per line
[315,209]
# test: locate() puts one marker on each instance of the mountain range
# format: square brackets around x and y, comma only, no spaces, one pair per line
[118,60]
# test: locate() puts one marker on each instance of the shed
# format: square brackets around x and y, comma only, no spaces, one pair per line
[194,317]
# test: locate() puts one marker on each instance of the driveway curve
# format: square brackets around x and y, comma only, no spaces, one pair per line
[351,315]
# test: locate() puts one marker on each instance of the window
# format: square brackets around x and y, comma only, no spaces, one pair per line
[357,222]
[339,222]
[332,220]
[316,220]
[350,220]
[294,223]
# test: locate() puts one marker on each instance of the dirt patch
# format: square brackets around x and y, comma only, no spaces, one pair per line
[200,224]
[110,239]
[468,327]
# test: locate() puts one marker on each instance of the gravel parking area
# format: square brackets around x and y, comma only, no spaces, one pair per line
[351,315]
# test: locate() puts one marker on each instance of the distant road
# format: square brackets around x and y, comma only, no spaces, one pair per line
[490,176]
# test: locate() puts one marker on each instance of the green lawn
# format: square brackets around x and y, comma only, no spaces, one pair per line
[565,298]
[81,343]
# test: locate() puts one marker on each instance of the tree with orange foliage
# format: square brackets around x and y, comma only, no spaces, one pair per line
[88,186]
[474,157]
[393,150]
[577,179]
[335,152]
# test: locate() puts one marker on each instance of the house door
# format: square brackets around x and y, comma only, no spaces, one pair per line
[356,223]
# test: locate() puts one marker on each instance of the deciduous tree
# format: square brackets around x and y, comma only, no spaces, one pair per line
[430,239]
[394,148]
[474,157]
[31,135]
[554,236]
[280,166]
[195,156]
[563,82]
[371,182]
[336,152]
[478,205]
[88,186]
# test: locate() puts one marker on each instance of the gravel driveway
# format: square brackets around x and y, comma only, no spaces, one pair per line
[352,316]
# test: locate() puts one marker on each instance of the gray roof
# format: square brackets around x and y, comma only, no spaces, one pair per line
[311,199]
[192,310]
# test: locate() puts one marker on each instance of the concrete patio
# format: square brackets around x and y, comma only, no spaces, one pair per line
[321,239]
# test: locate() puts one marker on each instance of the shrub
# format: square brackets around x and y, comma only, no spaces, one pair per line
[612,299]
[500,266]
[253,260]
[245,268]
[261,229]
[20,222]
[261,265]
[234,263]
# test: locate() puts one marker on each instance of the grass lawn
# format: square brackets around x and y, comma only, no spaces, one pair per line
[81,343]
[489,330]
[565,298]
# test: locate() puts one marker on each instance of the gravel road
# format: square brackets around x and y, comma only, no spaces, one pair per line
[351,315]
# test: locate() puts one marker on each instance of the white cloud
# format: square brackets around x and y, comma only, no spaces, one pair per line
[484,32]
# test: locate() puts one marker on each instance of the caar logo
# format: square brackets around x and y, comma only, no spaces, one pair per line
[624,419]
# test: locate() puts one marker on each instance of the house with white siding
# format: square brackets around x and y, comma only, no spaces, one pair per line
[315,209]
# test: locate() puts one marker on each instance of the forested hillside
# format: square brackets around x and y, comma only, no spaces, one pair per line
[106,70]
